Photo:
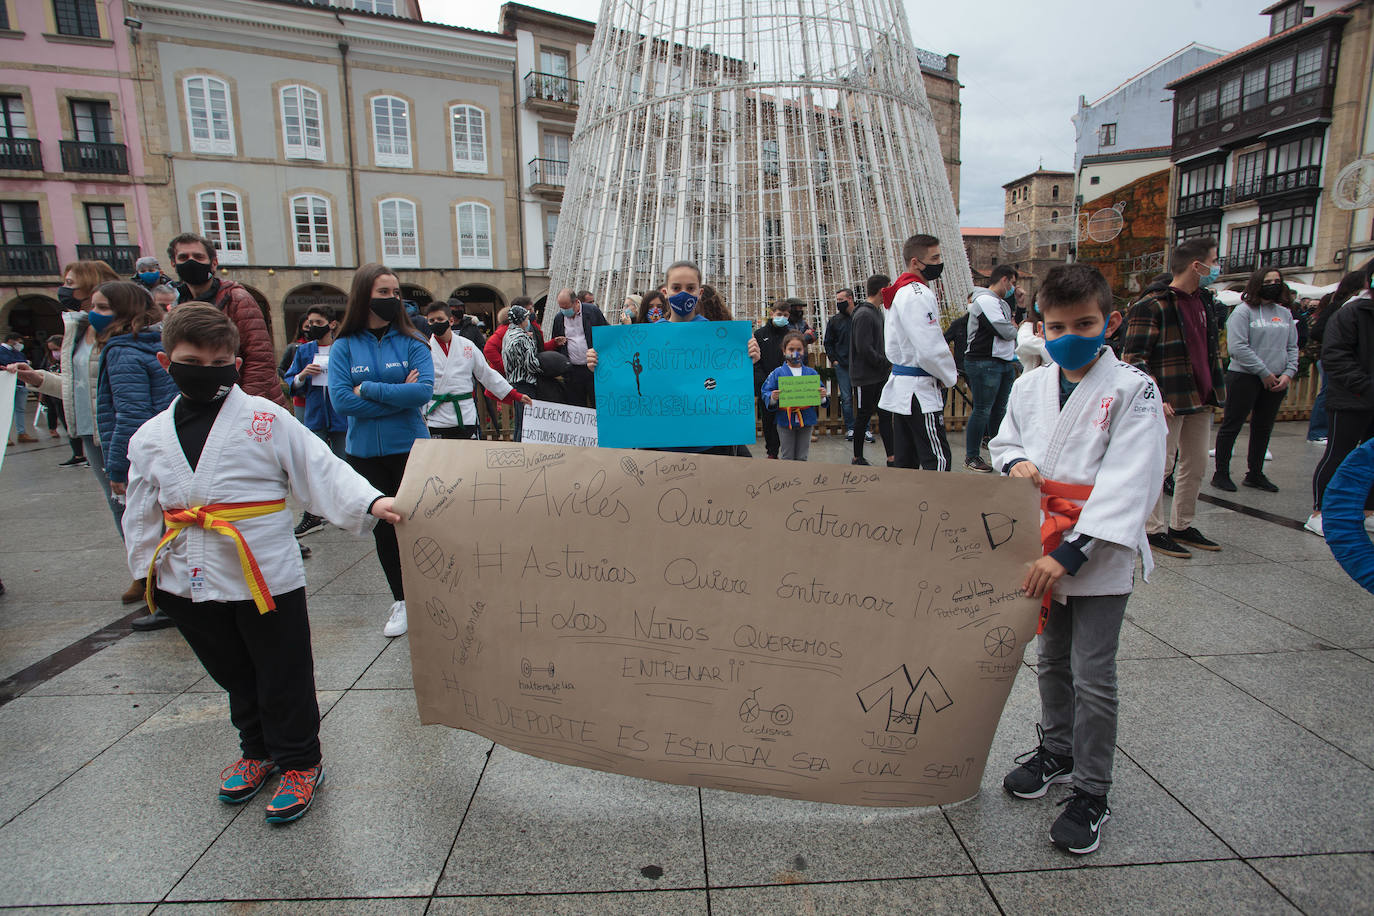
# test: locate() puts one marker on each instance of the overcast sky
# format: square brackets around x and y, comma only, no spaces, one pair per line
[1023,66]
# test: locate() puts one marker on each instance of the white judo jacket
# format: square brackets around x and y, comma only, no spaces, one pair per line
[256,452]
[453,372]
[913,337]
[1110,435]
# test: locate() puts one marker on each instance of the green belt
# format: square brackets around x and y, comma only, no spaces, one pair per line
[447,399]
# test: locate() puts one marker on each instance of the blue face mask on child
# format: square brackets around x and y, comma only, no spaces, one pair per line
[682,302]
[99,322]
[1074,351]
[795,358]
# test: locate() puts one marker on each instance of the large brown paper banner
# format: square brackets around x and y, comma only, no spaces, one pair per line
[839,634]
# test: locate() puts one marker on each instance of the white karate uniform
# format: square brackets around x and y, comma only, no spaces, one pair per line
[256,452]
[1109,435]
[913,338]
[453,372]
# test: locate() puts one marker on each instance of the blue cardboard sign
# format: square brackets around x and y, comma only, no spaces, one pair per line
[687,383]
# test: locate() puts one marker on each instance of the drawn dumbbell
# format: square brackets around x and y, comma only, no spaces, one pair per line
[527,669]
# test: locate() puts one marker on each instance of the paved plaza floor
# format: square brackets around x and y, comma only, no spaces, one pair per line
[1244,765]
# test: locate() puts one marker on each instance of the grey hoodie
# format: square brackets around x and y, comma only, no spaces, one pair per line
[1262,340]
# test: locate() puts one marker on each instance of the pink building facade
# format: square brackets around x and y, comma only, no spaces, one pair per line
[73,173]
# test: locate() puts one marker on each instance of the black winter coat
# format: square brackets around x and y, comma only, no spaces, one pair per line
[770,351]
[868,363]
[1348,356]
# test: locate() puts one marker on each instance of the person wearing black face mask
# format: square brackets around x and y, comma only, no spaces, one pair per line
[1262,340]
[194,260]
[381,377]
[458,365]
[308,379]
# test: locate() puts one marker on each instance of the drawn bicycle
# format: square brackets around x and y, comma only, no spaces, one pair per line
[749,710]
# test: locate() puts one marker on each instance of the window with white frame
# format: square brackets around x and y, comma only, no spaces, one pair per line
[474,236]
[400,233]
[221,221]
[208,115]
[469,127]
[391,131]
[371,6]
[313,230]
[302,126]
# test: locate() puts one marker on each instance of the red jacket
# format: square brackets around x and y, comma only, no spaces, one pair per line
[258,375]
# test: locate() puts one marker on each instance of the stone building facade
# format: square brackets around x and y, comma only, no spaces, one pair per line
[1038,228]
[306,141]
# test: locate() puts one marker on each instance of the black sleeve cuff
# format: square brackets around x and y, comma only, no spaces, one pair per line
[1006,468]
[1070,555]
[373,504]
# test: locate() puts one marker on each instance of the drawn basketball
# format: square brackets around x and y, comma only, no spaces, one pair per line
[999,642]
[710,384]
[429,557]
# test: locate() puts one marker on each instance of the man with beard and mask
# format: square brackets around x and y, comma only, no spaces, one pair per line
[193,258]
[465,325]
[206,523]
[308,378]
[796,320]
[837,349]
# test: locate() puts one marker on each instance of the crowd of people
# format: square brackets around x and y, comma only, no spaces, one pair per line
[171,392]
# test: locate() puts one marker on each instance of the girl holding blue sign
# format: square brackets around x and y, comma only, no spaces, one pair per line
[795,421]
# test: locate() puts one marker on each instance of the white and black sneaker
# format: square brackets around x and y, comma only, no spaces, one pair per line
[309,524]
[849,435]
[1039,770]
[1079,829]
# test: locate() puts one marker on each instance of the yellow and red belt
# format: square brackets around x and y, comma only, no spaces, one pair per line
[219,518]
[1057,502]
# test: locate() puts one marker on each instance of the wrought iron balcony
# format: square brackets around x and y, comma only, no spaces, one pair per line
[549,172]
[1243,263]
[105,158]
[20,153]
[1245,190]
[1292,256]
[1309,176]
[550,87]
[121,258]
[28,260]
[1203,200]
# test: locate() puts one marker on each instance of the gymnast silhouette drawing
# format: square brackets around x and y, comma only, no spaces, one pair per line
[638,367]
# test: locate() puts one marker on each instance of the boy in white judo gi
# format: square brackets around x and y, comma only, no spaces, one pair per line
[206,522]
[1090,432]
[452,414]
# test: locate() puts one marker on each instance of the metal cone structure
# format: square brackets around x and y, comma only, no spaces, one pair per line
[786,147]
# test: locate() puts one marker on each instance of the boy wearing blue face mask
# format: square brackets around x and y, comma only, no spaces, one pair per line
[1089,432]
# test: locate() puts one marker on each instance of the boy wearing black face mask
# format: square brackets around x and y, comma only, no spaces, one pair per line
[193,257]
[206,522]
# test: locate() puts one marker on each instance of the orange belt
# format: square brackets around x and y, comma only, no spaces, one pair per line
[219,518]
[794,412]
[1061,514]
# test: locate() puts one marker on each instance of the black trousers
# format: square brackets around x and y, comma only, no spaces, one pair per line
[770,429]
[920,439]
[453,432]
[579,386]
[264,662]
[865,406]
[385,472]
[1246,397]
[1349,429]
[517,429]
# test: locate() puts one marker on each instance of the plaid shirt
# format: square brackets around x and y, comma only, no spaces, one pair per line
[1154,343]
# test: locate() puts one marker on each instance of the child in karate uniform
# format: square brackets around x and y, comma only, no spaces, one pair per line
[794,423]
[1089,431]
[206,522]
[457,360]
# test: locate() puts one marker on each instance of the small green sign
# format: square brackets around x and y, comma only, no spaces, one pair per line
[799,391]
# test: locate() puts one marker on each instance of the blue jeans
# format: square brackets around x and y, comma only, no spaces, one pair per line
[97,460]
[21,403]
[333,439]
[846,394]
[1319,423]
[989,383]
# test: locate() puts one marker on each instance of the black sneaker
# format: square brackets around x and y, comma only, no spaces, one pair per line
[1223,482]
[860,461]
[154,621]
[1039,769]
[305,551]
[1260,482]
[75,461]
[1191,537]
[1162,543]
[1079,828]
[308,524]
[1169,485]
[976,463]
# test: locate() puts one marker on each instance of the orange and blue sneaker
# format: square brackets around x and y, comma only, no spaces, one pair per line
[243,780]
[294,795]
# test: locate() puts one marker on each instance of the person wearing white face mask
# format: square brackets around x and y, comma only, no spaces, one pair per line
[1172,334]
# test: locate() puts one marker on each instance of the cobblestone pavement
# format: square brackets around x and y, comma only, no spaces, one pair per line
[1244,766]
